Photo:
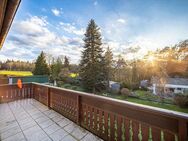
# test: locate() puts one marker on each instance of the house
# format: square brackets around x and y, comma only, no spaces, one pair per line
[144,83]
[114,86]
[171,85]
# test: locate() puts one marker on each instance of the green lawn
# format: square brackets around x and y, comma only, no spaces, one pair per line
[16,73]
[159,105]
[72,87]
[149,103]
[135,100]
[146,95]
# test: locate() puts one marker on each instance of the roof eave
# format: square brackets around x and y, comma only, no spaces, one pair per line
[9,9]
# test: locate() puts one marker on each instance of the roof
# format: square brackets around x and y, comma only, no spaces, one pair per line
[113,82]
[177,81]
[8,10]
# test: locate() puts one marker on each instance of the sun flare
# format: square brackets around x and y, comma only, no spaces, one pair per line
[151,58]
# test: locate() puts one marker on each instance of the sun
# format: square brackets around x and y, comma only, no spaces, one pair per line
[151,58]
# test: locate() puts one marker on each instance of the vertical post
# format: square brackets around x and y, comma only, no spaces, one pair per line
[48,97]
[78,109]
[183,131]
[32,91]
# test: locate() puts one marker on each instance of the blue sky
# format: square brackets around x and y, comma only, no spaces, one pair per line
[57,26]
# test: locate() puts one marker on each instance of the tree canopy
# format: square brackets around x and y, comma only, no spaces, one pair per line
[41,67]
[91,66]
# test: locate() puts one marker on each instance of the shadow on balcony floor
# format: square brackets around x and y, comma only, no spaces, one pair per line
[30,120]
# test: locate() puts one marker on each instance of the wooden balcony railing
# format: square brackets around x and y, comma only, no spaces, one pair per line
[110,119]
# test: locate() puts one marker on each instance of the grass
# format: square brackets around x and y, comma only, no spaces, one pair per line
[146,95]
[16,73]
[134,100]
[149,103]
[159,105]
[72,87]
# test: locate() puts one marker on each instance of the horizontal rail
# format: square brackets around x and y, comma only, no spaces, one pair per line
[108,118]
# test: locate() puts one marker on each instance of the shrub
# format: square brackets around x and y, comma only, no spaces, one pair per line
[144,88]
[67,86]
[125,85]
[135,86]
[125,92]
[114,91]
[181,100]
[74,87]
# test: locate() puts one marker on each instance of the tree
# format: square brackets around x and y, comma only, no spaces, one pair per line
[108,66]
[91,65]
[119,69]
[56,68]
[41,67]
[66,62]
[134,76]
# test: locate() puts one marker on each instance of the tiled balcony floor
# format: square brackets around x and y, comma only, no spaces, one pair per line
[29,120]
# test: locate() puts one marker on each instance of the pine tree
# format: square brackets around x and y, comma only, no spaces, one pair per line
[41,67]
[56,68]
[108,66]
[66,62]
[91,66]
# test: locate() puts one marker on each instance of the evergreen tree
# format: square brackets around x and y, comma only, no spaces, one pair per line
[91,66]
[41,67]
[56,68]
[66,62]
[108,66]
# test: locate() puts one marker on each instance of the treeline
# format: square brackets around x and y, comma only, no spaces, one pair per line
[98,67]
[17,65]
[58,68]
[166,62]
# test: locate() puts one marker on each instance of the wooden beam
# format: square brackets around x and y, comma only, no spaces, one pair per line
[3,4]
[9,13]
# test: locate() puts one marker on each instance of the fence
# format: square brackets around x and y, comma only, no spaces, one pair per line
[108,118]
[3,81]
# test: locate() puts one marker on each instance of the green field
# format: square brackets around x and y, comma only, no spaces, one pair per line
[149,103]
[15,73]
[159,105]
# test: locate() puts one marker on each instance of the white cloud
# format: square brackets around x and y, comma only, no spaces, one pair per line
[30,36]
[57,12]
[70,28]
[121,21]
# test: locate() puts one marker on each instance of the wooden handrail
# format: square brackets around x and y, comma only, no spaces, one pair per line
[108,118]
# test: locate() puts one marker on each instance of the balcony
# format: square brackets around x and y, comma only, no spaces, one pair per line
[41,112]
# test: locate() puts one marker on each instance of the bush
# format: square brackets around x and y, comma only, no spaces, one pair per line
[135,86]
[125,92]
[100,87]
[74,87]
[67,86]
[144,88]
[73,81]
[181,100]
[125,85]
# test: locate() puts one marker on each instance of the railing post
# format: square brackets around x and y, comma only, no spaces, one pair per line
[32,91]
[183,131]
[48,97]
[78,109]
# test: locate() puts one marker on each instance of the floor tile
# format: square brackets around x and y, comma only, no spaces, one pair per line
[79,133]
[51,129]
[10,132]
[30,120]
[70,138]
[91,137]
[58,135]
[17,137]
